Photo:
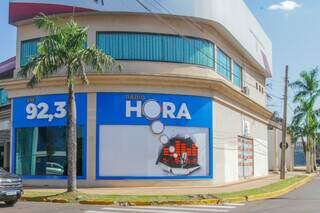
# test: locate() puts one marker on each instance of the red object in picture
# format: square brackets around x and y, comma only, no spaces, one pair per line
[183,158]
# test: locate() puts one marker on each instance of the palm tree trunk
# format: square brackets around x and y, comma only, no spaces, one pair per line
[314,156]
[308,156]
[72,141]
[304,147]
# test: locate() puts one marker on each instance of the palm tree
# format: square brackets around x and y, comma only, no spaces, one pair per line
[305,120]
[64,49]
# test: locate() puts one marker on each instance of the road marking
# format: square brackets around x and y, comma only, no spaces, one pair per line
[165,209]
[170,209]
[192,207]
[234,204]
[129,209]
[212,206]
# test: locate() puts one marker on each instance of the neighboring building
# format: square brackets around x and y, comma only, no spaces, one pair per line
[299,156]
[6,72]
[274,148]
[190,109]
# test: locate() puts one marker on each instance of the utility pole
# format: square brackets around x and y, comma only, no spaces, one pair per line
[284,127]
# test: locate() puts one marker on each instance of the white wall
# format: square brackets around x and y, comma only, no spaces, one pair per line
[274,140]
[5,124]
[272,150]
[260,157]
[233,17]
[228,125]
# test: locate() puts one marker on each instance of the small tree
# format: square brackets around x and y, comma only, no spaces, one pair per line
[306,118]
[64,48]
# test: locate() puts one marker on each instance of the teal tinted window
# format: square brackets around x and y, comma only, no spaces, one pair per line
[237,75]
[29,49]
[3,97]
[156,47]
[224,64]
[42,151]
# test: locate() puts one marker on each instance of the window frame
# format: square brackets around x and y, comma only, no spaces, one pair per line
[50,177]
[213,59]
[39,39]
[235,64]
[5,93]
[24,41]
[219,50]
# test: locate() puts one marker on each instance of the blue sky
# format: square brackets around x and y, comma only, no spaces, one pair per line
[295,37]
[7,33]
[292,27]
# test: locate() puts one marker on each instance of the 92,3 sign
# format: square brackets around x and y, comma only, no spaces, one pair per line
[40,111]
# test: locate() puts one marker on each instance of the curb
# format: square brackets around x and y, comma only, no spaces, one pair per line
[33,199]
[60,201]
[97,202]
[183,202]
[280,192]
[240,199]
[234,199]
[153,203]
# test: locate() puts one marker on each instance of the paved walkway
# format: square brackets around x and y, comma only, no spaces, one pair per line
[180,190]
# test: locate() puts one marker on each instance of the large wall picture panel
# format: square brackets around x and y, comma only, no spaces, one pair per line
[153,136]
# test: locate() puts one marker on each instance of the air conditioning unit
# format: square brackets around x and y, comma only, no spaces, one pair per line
[246,90]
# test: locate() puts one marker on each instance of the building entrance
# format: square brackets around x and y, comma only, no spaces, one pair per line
[246,163]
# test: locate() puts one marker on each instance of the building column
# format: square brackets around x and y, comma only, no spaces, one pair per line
[91,139]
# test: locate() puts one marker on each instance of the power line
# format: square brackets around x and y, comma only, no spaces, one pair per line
[187,39]
[191,22]
[275,96]
[196,25]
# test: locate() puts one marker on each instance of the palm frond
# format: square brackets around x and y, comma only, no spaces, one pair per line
[98,61]
[64,48]
[50,24]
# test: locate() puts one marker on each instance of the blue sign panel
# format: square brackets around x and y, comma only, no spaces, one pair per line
[39,149]
[153,136]
[175,110]
[47,110]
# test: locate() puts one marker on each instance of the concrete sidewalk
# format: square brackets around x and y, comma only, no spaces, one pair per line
[179,190]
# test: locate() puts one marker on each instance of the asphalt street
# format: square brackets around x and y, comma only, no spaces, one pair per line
[305,199]
[28,207]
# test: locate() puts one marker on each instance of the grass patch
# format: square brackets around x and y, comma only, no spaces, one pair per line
[269,188]
[77,196]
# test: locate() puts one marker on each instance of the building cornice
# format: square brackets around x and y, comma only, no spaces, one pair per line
[217,86]
[251,37]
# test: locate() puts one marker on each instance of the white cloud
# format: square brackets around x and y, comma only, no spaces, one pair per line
[285,5]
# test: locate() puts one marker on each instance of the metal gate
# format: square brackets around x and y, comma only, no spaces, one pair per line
[245,157]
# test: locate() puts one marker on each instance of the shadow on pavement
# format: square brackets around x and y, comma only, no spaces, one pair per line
[3,205]
[279,198]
